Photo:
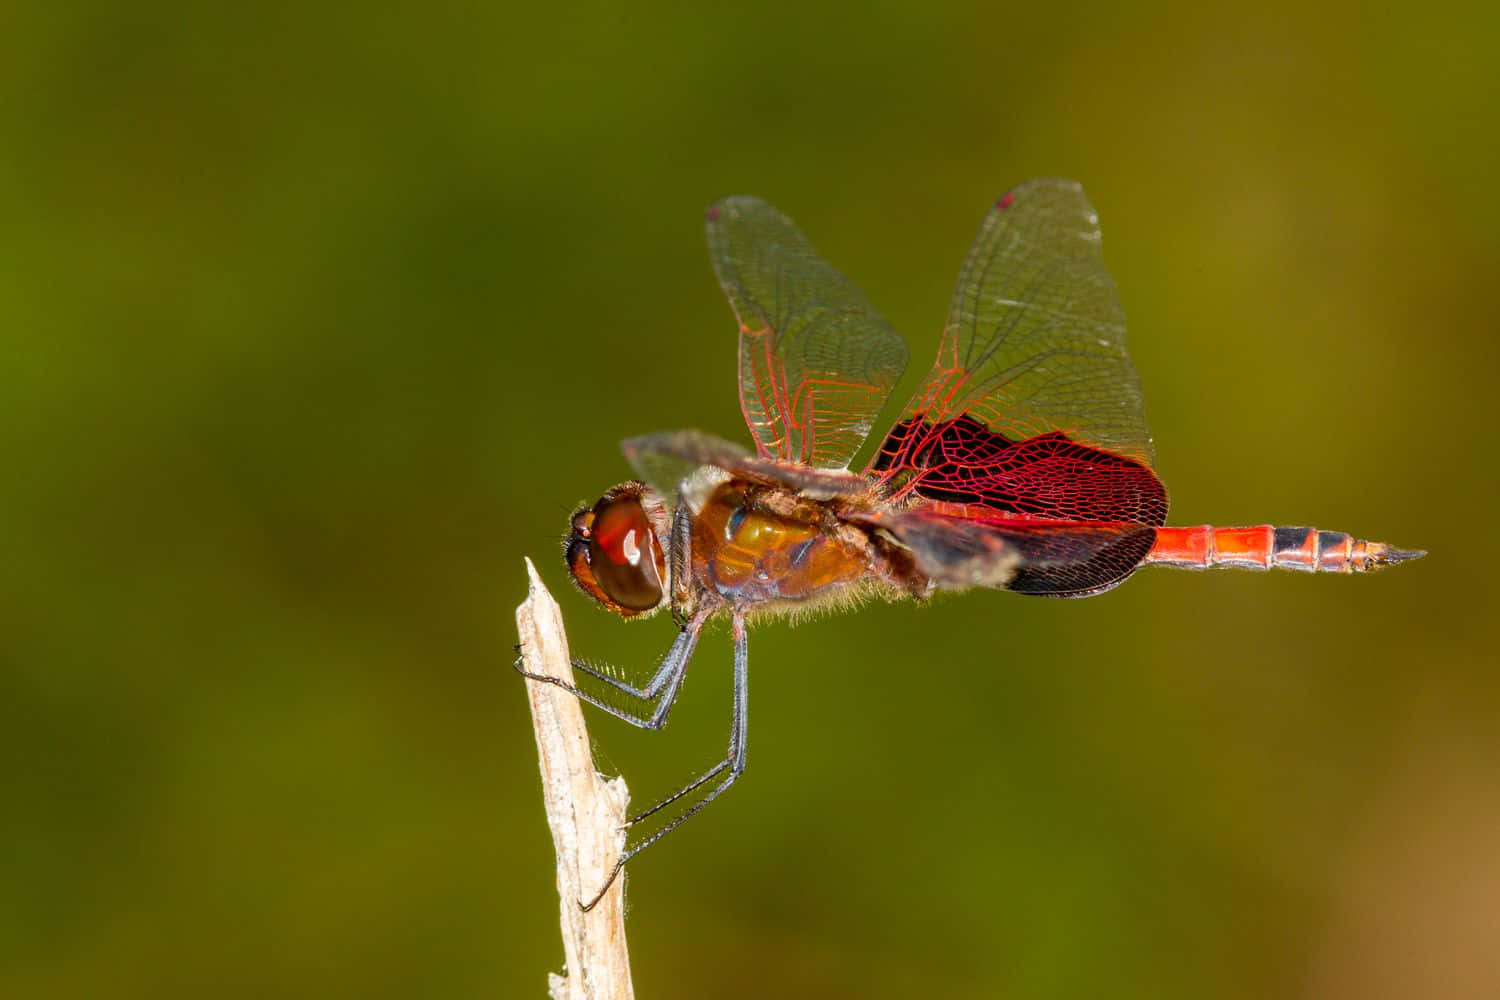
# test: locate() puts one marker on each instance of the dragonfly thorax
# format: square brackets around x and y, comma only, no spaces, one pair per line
[754,545]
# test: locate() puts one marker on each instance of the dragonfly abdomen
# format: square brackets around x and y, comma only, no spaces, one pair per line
[1265,546]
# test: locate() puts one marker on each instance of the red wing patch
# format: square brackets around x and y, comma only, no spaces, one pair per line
[1048,476]
[1032,406]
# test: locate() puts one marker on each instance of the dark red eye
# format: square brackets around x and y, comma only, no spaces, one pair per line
[624,555]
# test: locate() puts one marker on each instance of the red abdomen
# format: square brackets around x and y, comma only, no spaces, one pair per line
[1267,547]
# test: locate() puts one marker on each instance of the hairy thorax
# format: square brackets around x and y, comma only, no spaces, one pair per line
[754,544]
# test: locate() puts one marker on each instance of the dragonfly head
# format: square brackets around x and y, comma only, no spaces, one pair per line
[617,550]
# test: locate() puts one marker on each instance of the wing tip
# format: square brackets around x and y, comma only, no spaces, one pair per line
[733,207]
[1039,184]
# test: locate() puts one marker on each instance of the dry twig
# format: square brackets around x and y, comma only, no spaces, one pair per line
[585,811]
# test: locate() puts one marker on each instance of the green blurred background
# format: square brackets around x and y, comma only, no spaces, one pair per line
[317,320]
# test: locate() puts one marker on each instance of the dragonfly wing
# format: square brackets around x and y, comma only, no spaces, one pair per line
[1032,406]
[958,547]
[817,362]
[1046,476]
[667,458]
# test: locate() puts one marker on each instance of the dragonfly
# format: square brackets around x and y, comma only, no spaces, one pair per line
[1021,463]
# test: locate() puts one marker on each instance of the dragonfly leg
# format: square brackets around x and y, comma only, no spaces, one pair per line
[657,696]
[730,768]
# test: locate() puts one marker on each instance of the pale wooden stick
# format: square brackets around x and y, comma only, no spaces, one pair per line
[585,811]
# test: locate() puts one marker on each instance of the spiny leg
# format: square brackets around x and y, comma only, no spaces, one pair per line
[659,693]
[733,762]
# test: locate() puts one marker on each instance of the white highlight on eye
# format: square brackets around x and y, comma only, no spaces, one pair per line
[630,548]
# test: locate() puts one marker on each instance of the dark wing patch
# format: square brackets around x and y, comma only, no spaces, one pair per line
[957,547]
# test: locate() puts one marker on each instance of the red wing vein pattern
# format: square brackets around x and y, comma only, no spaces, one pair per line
[1035,339]
[817,362]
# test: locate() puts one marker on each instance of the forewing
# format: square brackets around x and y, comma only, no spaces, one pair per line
[666,458]
[1032,406]
[961,547]
[817,362]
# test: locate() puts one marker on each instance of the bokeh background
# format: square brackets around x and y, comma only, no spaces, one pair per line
[317,319]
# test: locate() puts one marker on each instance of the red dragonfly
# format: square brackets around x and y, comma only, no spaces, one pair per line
[1022,463]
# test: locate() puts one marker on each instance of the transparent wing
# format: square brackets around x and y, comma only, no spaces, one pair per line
[1035,339]
[817,362]
[1032,405]
[666,458]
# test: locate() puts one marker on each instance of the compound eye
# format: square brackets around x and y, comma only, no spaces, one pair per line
[624,555]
